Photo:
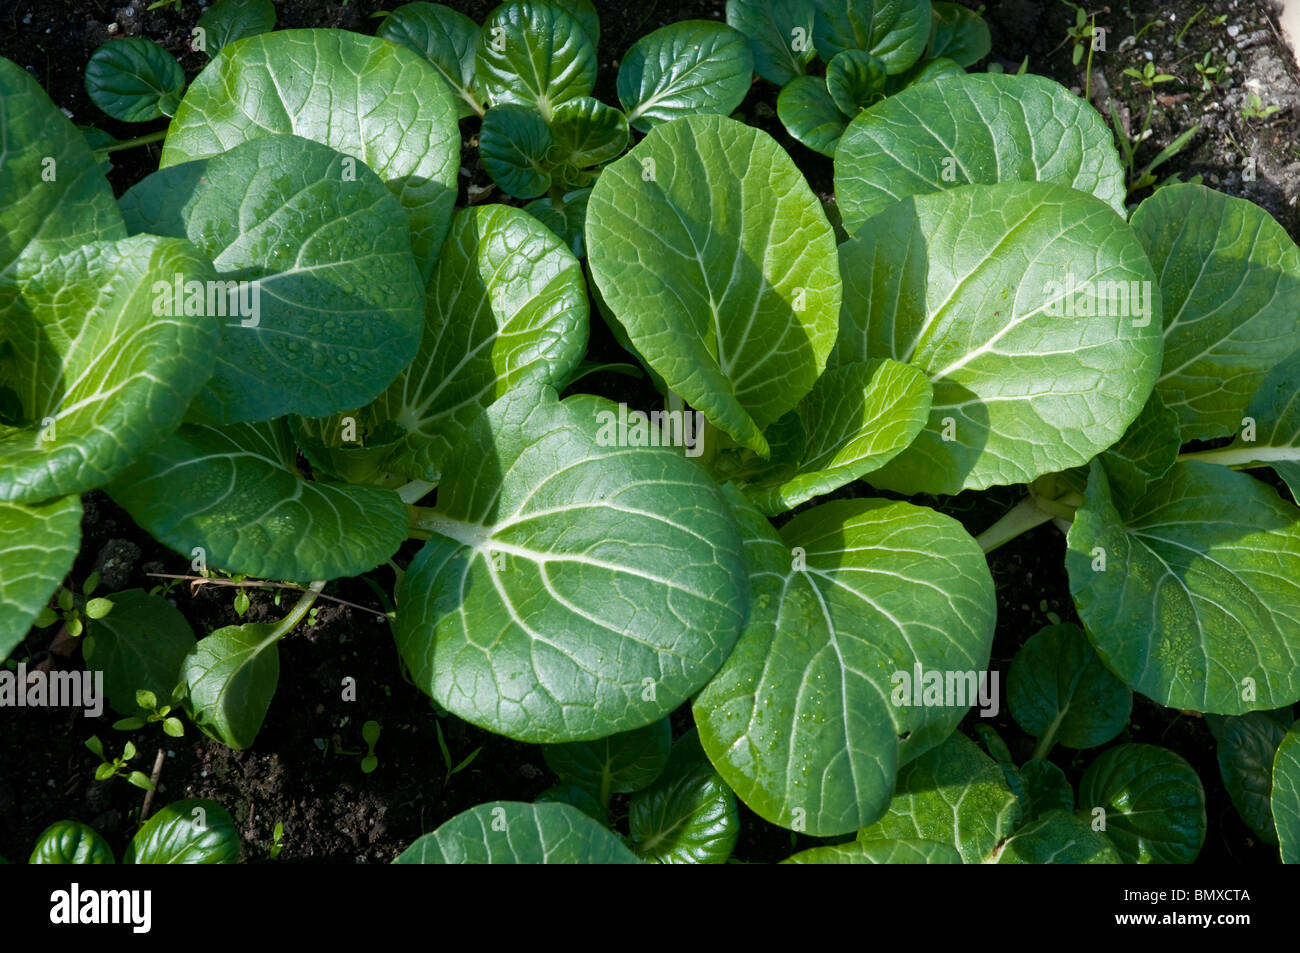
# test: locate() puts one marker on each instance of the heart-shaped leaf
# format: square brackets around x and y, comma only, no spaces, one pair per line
[684,69]
[134,79]
[1152,804]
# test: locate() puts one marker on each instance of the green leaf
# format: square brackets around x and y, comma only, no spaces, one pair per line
[229,20]
[879,852]
[140,780]
[1145,453]
[75,626]
[71,842]
[611,577]
[128,751]
[241,603]
[587,133]
[780,35]
[684,69]
[514,145]
[978,128]
[689,816]
[51,189]
[958,34]
[1230,277]
[1058,688]
[1046,788]
[1192,602]
[139,647]
[105,771]
[1247,746]
[128,724]
[579,797]
[38,544]
[173,727]
[1057,837]
[896,31]
[975,286]
[101,375]
[567,220]
[855,79]
[924,71]
[231,677]
[705,220]
[1285,799]
[362,96]
[446,38]
[809,114]
[584,11]
[134,79]
[954,794]
[1153,803]
[324,298]
[618,764]
[237,494]
[192,831]
[95,745]
[1270,434]
[856,419]
[534,55]
[90,584]
[98,608]
[506,308]
[801,721]
[510,832]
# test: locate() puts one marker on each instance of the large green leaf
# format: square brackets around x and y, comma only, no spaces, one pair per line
[1194,603]
[1270,433]
[1230,278]
[101,372]
[1057,688]
[896,31]
[684,69]
[38,543]
[134,79]
[954,794]
[801,721]
[981,287]
[509,832]
[1247,746]
[192,831]
[689,816]
[327,306]
[230,678]
[1151,801]
[51,189]
[140,645]
[879,852]
[365,97]
[71,842]
[1057,837]
[618,764]
[1285,798]
[446,38]
[780,35]
[507,306]
[809,114]
[533,54]
[857,418]
[976,129]
[571,589]
[236,493]
[717,260]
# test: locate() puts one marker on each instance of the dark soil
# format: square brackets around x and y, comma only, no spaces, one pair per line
[304,770]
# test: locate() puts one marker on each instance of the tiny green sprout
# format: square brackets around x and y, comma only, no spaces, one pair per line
[311,616]
[277,841]
[75,609]
[1209,72]
[1255,108]
[370,734]
[118,766]
[241,602]
[446,756]
[148,703]
[1148,76]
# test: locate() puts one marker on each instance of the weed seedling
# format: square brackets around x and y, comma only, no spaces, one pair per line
[118,766]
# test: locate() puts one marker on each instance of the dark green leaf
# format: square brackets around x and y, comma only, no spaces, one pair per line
[134,80]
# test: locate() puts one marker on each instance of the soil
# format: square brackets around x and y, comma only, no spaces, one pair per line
[305,768]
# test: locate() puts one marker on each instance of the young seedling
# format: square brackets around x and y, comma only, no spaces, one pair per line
[1255,108]
[370,734]
[1209,72]
[446,756]
[118,766]
[74,610]
[1148,76]
[148,703]
[277,838]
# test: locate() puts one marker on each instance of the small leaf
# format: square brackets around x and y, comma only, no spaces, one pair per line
[779,33]
[369,763]
[65,599]
[232,676]
[45,618]
[75,626]
[89,585]
[128,724]
[140,780]
[586,132]
[514,144]
[1247,748]
[134,80]
[241,602]
[146,699]
[229,20]
[1046,788]
[104,772]
[855,79]
[192,831]
[809,114]
[98,608]
[95,745]
[70,842]
[958,34]
[689,815]
[370,732]
[173,727]
[897,31]
[1153,803]
[128,752]
[621,763]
